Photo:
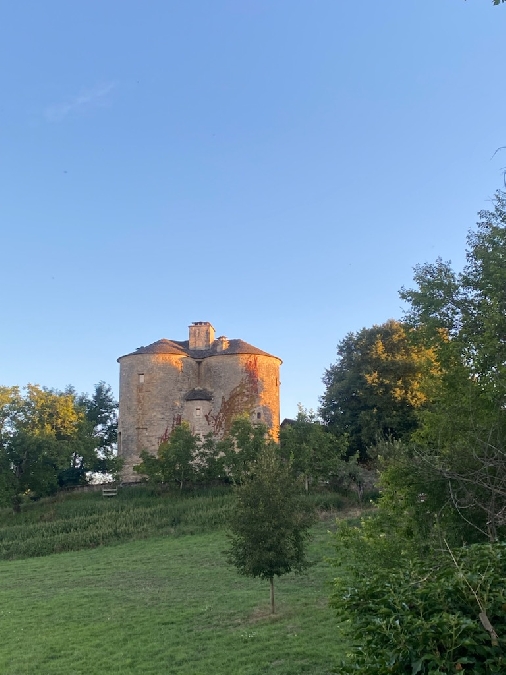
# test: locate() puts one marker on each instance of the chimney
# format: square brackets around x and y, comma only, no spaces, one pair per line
[201,335]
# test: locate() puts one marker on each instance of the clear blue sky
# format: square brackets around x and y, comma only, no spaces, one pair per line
[276,167]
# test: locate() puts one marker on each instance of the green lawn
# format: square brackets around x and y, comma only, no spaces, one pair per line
[163,605]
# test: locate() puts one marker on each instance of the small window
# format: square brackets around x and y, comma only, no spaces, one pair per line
[197,412]
[259,415]
[141,378]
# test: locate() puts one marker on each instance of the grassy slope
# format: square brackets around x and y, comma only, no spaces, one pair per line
[163,605]
[79,521]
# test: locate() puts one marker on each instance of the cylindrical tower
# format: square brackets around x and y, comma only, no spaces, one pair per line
[202,381]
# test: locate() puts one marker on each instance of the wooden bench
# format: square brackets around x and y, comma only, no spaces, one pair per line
[109,492]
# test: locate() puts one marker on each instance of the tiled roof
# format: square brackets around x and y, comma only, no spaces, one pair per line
[183,349]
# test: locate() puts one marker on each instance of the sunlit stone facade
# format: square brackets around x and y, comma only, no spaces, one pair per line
[203,381]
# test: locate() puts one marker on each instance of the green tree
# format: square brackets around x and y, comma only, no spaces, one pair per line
[462,436]
[241,446]
[177,458]
[46,442]
[270,521]
[313,452]
[377,386]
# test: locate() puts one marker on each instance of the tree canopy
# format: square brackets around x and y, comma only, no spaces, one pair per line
[377,385]
[50,439]
[270,521]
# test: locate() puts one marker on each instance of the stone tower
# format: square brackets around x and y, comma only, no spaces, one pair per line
[203,381]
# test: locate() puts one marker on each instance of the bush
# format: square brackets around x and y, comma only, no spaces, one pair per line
[408,614]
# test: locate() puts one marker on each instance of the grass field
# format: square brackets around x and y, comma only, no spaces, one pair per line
[163,605]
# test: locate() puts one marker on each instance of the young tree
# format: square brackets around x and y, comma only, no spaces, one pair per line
[270,521]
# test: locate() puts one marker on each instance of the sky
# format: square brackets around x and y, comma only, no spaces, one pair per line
[275,167]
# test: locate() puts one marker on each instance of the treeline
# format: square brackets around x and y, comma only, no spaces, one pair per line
[53,439]
[426,400]
[315,456]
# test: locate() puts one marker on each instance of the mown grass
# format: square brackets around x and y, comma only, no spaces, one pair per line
[164,605]
[76,521]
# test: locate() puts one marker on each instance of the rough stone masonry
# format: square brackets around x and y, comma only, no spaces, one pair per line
[203,381]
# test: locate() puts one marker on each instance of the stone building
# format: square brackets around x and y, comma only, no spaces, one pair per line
[203,381]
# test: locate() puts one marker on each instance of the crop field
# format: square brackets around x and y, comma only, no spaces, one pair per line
[77,521]
[163,604]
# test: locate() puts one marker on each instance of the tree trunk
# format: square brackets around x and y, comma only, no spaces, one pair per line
[16,504]
[272,594]
[306,483]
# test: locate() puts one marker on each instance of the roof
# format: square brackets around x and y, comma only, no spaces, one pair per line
[182,348]
[199,394]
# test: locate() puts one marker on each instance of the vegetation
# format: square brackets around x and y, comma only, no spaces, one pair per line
[163,605]
[186,458]
[50,439]
[420,586]
[71,522]
[270,521]
[425,593]
[376,387]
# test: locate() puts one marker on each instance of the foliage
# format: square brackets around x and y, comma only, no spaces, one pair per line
[242,446]
[101,412]
[270,521]
[186,457]
[463,317]
[175,460]
[48,439]
[423,597]
[313,452]
[377,385]
[414,614]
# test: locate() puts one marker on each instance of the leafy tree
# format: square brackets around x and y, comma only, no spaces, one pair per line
[462,436]
[46,442]
[377,386]
[241,446]
[101,411]
[176,459]
[270,521]
[426,592]
[313,452]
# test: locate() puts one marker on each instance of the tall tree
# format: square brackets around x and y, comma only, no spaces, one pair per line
[377,385]
[270,521]
[464,317]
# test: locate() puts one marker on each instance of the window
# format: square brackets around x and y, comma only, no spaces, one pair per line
[141,378]
[197,412]
[259,415]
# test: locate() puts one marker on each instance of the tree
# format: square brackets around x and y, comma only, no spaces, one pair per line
[241,446]
[376,387]
[313,452]
[269,522]
[177,458]
[46,442]
[101,411]
[462,436]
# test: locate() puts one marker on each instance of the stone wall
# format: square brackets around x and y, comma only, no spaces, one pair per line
[155,387]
